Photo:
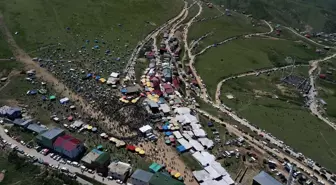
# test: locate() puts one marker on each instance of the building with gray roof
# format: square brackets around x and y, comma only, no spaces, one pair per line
[264,178]
[140,177]
[119,170]
[36,128]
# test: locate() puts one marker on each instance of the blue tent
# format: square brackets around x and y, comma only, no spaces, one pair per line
[168,133]
[107,51]
[165,127]
[89,75]
[87,41]
[123,90]
[210,124]
[32,92]
[96,47]
[97,77]
[181,149]
[44,98]
[96,41]
[118,59]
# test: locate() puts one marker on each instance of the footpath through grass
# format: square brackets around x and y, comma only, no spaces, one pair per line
[224,27]
[284,117]
[241,56]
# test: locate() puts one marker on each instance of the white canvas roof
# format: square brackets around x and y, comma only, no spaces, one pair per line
[219,168]
[206,142]
[199,133]
[187,136]
[177,134]
[228,180]
[114,75]
[208,157]
[145,128]
[182,110]
[188,118]
[199,157]
[165,108]
[201,175]
[213,173]
[180,118]
[195,126]
[184,143]
[196,145]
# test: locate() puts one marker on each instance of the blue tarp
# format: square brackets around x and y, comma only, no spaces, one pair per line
[168,133]
[165,127]
[123,90]
[97,77]
[210,124]
[180,149]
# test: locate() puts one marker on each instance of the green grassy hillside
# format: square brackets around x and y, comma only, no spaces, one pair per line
[319,15]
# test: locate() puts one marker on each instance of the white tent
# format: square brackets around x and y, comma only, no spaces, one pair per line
[196,145]
[114,75]
[213,173]
[184,143]
[199,133]
[177,134]
[145,129]
[64,100]
[206,142]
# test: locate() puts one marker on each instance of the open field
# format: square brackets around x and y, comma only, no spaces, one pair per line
[224,27]
[284,117]
[116,25]
[319,15]
[247,55]
[5,52]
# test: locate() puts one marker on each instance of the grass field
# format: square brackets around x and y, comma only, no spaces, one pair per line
[5,52]
[284,117]
[117,25]
[223,27]
[247,55]
[302,14]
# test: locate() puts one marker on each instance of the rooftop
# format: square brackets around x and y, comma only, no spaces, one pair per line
[67,142]
[264,178]
[119,168]
[52,133]
[142,175]
[91,156]
[163,179]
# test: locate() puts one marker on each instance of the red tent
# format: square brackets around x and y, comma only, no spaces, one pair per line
[323,76]
[130,148]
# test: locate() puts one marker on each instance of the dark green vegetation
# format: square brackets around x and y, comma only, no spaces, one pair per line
[5,52]
[117,25]
[190,161]
[241,56]
[223,27]
[140,66]
[318,14]
[21,172]
[284,116]
[327,88]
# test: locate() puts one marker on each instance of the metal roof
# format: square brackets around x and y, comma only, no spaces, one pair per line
[264,178]
[52,133]
[142,175]
[36,128]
